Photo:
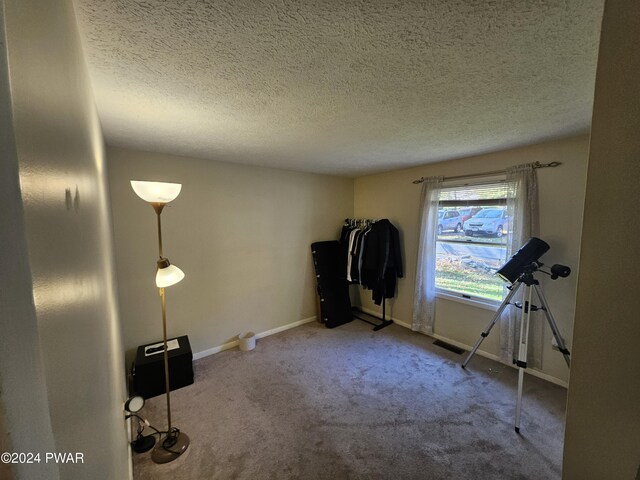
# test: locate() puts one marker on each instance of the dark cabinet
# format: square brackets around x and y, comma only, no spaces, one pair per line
[148,374]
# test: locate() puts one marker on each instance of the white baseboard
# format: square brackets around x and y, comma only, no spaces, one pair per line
[286,327]
[482,353]
[211,351]
[234,343]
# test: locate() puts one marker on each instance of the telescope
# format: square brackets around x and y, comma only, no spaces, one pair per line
[518,272]
[526,261]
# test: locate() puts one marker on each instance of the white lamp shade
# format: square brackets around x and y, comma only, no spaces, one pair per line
[165,277]
[156,192]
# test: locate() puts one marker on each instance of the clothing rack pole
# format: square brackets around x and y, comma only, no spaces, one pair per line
[384,322]
[488,174]
[384,305]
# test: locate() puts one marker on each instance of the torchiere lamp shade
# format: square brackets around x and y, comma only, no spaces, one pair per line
[156,192]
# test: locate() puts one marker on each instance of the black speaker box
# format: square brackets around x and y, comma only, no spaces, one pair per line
[148,374]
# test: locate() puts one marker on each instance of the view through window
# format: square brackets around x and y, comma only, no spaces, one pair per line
[471,241]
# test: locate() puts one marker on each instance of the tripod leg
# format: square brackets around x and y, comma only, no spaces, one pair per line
[487,330]
[522,352]
[554,327]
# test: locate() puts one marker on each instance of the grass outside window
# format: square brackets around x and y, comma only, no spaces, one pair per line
[456,276]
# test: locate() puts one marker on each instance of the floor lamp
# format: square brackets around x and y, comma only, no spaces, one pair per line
[158,194]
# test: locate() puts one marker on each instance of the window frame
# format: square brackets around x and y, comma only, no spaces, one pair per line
[463,298]
[459,297]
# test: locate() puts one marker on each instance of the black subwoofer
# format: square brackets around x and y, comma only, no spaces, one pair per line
[148,373]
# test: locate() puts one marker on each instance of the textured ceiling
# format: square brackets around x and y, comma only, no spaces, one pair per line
[342,87]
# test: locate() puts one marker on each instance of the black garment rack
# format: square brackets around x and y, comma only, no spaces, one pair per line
[383,322]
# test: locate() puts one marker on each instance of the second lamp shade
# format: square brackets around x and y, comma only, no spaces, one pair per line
[165,277]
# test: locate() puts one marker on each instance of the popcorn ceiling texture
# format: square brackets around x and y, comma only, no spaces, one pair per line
[339,87]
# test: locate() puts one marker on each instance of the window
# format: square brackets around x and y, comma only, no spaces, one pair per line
[471,242]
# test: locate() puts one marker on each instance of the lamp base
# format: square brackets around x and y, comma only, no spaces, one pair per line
[143,444]
[170,448]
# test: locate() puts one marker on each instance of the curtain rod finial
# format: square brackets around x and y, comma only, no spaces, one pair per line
[543,165]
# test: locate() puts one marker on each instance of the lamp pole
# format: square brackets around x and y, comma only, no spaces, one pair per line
[166,361]
[158,208]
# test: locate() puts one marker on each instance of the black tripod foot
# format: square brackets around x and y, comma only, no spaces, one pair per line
[517,429]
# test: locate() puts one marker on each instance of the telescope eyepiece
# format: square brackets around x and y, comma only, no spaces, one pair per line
[558,270]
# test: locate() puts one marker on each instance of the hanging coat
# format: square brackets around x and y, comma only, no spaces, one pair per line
[382,260]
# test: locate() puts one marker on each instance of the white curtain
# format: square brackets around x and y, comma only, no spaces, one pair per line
[522,209]
[424,303]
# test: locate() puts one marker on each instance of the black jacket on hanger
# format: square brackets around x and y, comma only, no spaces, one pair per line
[382,260]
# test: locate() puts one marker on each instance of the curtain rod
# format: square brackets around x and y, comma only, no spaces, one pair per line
[488,174]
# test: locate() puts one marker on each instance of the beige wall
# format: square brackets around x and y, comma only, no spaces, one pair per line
[23,392]
[392,195]
[241,234]
[603,410]
[6,469]
[58,147]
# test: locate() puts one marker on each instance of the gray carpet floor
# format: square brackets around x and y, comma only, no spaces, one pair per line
[350,403]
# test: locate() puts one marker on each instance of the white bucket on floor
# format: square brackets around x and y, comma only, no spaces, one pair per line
[247,341]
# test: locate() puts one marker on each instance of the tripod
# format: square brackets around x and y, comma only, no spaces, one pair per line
[527,307]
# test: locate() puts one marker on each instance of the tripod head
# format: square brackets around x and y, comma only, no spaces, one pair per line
[532,267]
[526,276]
